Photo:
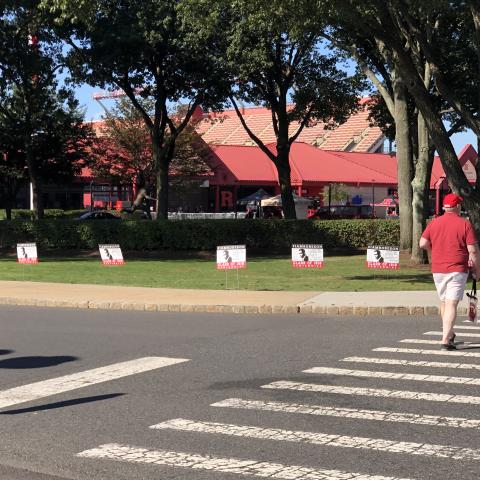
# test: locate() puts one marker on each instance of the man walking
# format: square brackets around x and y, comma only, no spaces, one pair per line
[452,243]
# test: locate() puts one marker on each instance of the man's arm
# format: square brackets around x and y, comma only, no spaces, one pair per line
[425,244]
[474,258]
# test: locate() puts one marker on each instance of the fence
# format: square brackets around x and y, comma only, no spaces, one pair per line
[204,215]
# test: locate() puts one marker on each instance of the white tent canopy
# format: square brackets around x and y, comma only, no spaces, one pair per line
[301,204]
[277,201]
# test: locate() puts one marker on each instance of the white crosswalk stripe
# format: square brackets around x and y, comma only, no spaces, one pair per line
[463,334]
[468,327]
[331,439]
[423,341]
[54,386]
[418,351]
[343,412]
[412,363]
[393,376]
[126,453]
[426,341]
[314,438]
[373,392]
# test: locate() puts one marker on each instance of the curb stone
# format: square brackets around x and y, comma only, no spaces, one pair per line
[331,310]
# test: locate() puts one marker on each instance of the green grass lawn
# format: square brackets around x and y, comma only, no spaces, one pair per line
[339,273]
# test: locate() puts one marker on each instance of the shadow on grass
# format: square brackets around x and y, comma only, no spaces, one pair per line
[35,362]
[421,278]
[66,403]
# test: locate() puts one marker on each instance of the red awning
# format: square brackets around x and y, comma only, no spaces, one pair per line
[309,165]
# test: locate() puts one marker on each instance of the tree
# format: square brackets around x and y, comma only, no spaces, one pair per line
[40,121]
[147,49]
[272,56]
[123,152]
[401,25]
[12,171]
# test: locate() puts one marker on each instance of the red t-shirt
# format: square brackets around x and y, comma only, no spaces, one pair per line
[449,236]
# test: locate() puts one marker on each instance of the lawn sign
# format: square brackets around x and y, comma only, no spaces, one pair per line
[111,254]
[383,257]
[27,253]
[307,256]
[231,257]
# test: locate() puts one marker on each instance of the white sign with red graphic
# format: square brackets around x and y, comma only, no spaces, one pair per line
[383,257]
[111,254]
[27,253]
[231,257]
[307,256]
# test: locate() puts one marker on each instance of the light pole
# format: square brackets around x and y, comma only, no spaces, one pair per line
[373,198]
[91,196]
[329,197]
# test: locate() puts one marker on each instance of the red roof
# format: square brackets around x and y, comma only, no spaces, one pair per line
[355,134]
[467,158]
[240,164]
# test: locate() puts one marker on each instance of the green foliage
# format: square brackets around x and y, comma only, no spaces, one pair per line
[199,234]
[146,48]
[42,134]
[335,193]
[25,214]
[273,54]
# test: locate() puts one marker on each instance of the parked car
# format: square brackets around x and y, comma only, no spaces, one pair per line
[98,215]
[342,211]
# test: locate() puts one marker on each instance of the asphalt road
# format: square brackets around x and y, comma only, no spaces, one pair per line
[231,357]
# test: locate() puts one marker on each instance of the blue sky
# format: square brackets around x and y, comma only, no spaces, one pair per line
[95,111]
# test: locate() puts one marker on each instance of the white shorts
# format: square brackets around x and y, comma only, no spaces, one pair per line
[450,286]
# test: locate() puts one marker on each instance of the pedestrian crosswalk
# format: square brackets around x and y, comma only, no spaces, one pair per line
[355,413]
[66,383]
[240,466]
[390,374]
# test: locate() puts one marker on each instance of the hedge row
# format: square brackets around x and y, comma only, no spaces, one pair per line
[277,235]
[23,214]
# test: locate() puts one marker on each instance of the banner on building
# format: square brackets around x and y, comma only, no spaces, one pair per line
[231,257]
[27,253]
[307,256]
[111,254]
[383,257]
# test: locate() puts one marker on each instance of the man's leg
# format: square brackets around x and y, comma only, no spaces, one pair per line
[448,311]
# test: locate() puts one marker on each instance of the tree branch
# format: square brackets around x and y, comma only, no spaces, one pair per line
[303,124]
[257,140]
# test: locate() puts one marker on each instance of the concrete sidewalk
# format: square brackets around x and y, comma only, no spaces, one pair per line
[225,301]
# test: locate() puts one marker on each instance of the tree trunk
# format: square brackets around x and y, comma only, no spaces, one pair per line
[162,193]
[421,190]
[439,136]
[36,181]
[8,208]
[283,169]
[37,193]
[404,162]
[162,158]
[161,167]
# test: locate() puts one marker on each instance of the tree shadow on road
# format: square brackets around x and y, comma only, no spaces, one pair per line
[65,403]
[35,362]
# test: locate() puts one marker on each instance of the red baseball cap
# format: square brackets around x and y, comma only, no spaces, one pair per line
[452,200]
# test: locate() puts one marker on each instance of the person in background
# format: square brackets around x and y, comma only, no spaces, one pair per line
[452,243]
[141,202]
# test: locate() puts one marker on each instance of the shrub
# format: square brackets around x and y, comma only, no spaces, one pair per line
[275,235]
[24,214]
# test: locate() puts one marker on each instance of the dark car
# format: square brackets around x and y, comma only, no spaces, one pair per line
[98,215]
[342,211]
